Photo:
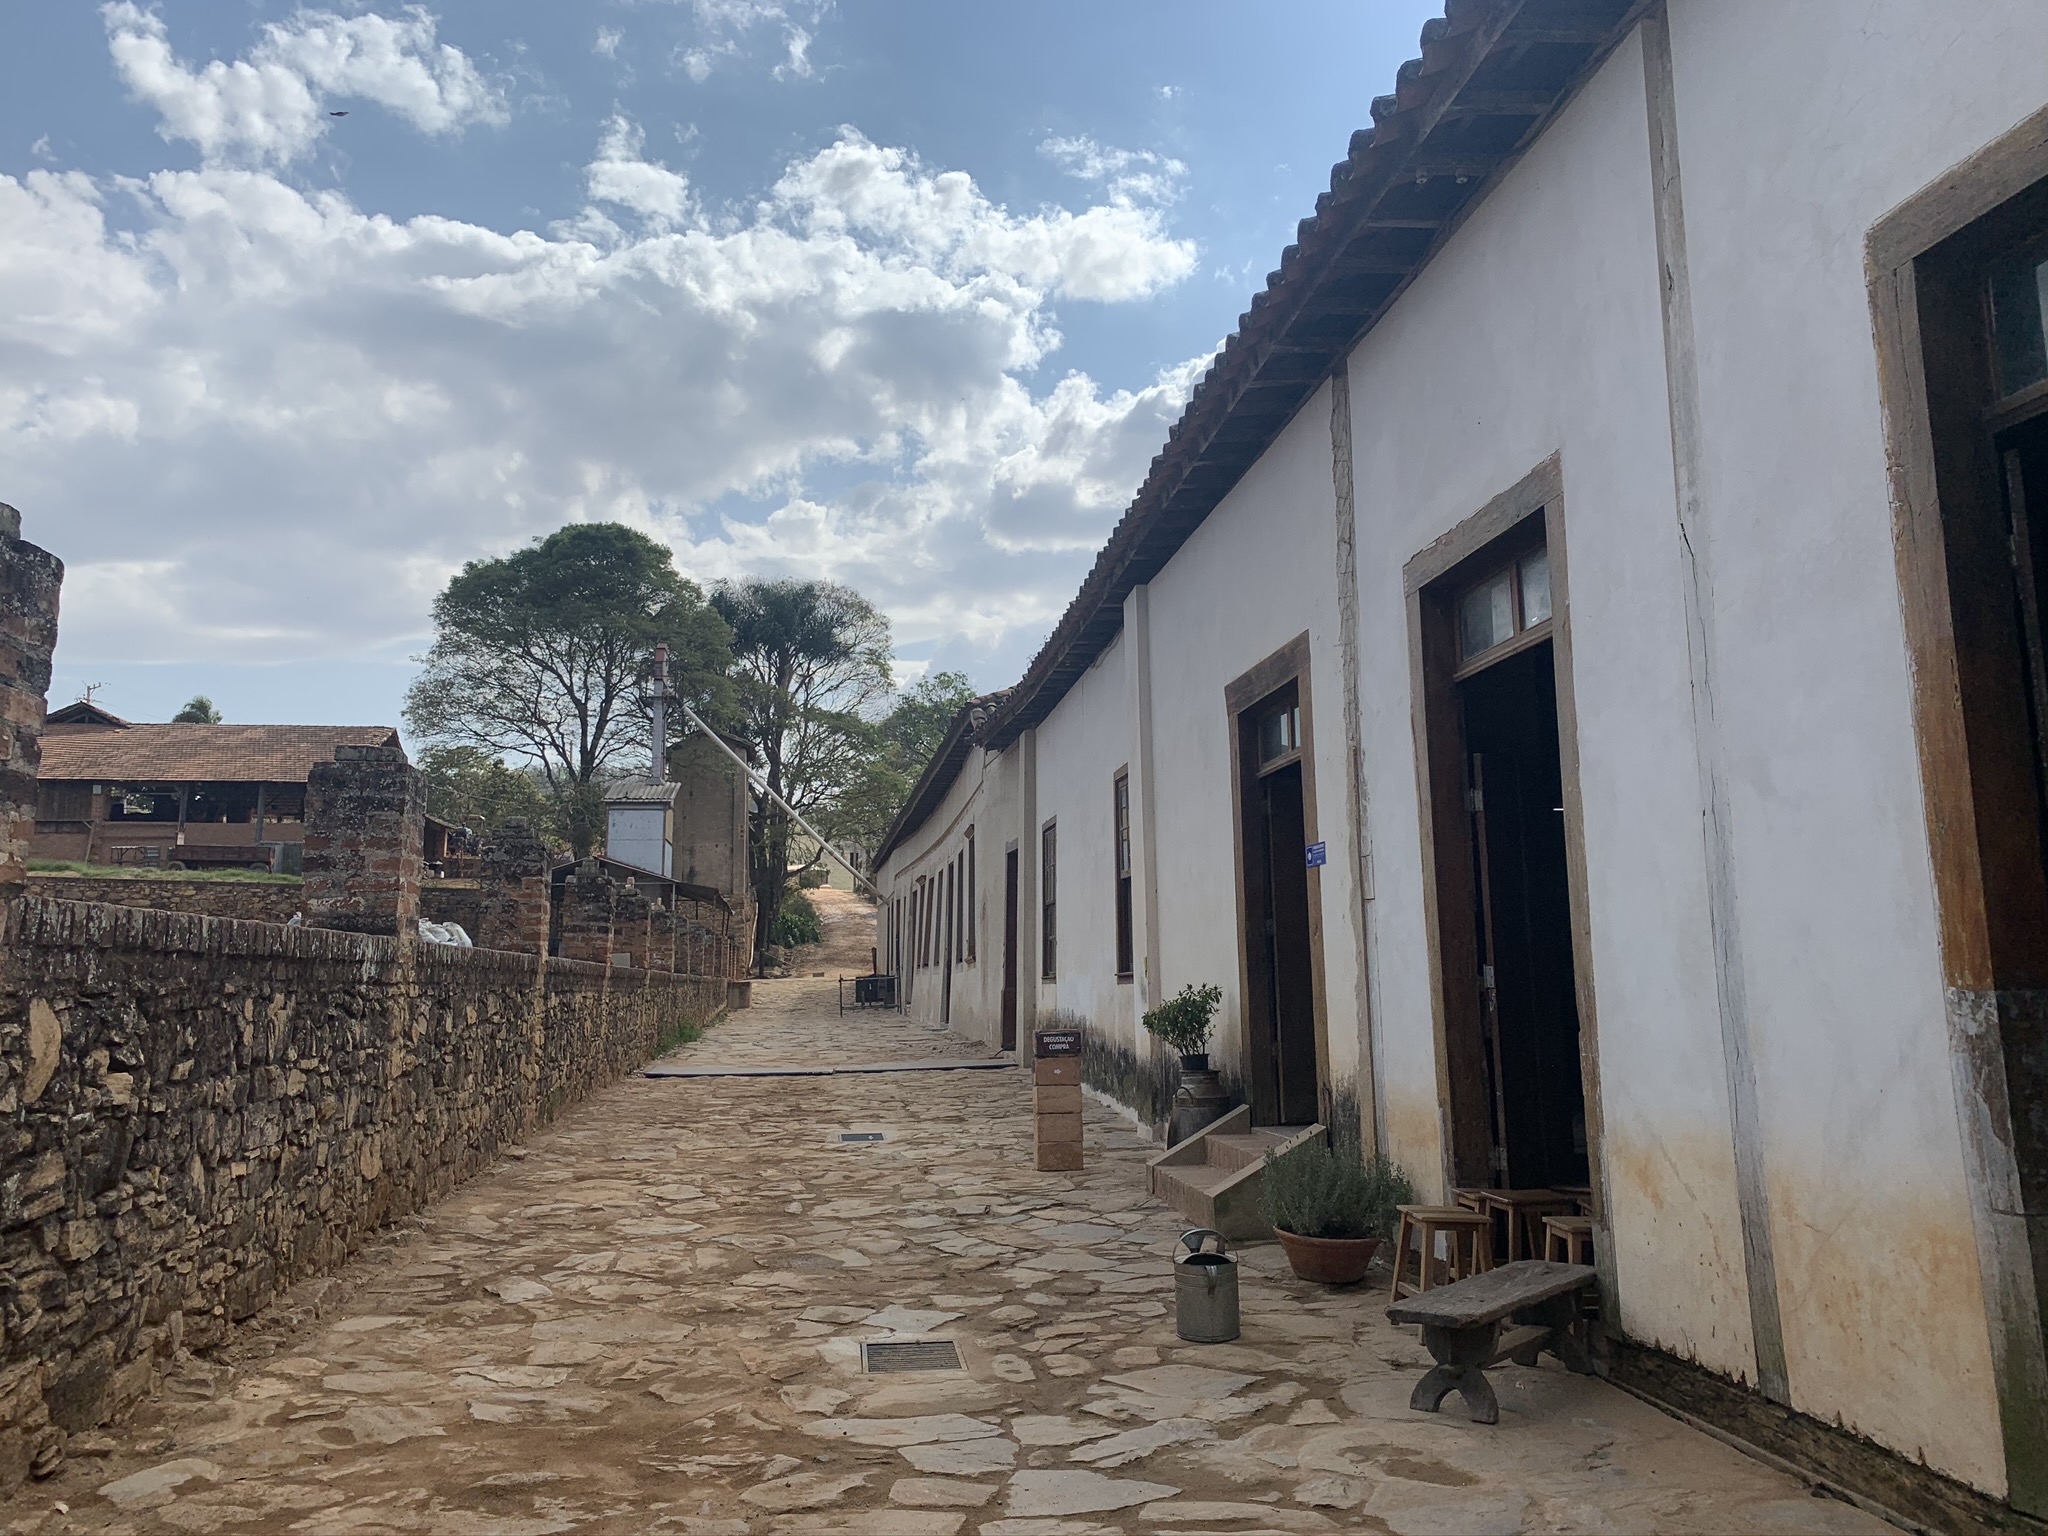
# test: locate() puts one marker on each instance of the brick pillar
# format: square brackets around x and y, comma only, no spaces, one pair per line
[661,938]
[587,897]
[365,842]
[514,912]
[29,582]
[630,926]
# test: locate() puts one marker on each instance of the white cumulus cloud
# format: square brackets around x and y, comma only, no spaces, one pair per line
[270,107]
[260,421]
[1129,175]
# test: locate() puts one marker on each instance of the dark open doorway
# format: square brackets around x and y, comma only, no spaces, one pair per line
[1010,951]
[946,945]
[1504,882]
[1529,1019]
[1280,1023]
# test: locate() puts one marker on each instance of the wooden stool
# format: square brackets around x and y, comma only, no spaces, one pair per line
[1469,1241]
[1568,1239]
[1524,1208]
[1580,1195]
[1470,1199]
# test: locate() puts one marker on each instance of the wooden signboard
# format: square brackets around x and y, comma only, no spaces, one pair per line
[1057,1090]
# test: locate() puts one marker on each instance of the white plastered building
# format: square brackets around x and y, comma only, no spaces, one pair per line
[1572,679]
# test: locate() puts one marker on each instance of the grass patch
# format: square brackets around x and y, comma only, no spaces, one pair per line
[676,1035]
[136,872]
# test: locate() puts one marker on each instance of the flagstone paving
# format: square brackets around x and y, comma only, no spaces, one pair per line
[649,1320]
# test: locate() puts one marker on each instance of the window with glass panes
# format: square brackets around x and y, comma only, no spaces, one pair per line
[1508,604]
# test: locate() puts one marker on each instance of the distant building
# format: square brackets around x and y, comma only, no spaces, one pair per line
[212,796]
[640,818]
[1695,864]
[712,806]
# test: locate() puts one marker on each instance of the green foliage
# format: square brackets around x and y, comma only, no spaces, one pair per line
[902,742]
[813,878]
[1183,1021]
[672,1036]
[796,923]
[810,665]
[539,658]
[198,710]
[478,789]
[1322,1191]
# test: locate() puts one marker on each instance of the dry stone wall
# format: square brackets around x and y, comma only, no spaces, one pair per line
[251,901]
[198,1112]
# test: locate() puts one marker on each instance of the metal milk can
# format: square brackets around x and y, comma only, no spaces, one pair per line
[1204,1289]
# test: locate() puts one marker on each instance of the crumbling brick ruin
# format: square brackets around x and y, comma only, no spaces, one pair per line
[199,1111]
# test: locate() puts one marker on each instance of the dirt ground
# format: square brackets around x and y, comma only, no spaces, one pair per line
[650,1319]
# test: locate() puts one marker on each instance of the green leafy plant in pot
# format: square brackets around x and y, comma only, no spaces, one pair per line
[1184,1022]
[1331,1208]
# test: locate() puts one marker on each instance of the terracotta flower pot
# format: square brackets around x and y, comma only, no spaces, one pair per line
[1329,1260]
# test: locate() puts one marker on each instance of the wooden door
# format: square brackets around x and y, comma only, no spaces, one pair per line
[1010,951]
[1489,981]
[1292,1008]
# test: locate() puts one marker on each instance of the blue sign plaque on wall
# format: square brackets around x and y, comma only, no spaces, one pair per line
[1318,855]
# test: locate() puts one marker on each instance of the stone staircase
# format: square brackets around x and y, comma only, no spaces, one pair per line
[1212,1178]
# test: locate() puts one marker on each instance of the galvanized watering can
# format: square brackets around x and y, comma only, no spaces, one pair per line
[1204,1289]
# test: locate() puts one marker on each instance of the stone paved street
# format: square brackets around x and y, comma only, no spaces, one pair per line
[650,1318]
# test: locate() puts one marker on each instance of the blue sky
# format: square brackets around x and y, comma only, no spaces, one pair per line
[900,294]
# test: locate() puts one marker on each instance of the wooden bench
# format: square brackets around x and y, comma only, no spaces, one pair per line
[1461,1326]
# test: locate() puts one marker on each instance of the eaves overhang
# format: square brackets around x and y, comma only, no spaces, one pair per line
[1492,76]
[969,725]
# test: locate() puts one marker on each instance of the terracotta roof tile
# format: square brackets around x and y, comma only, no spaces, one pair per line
[217,754]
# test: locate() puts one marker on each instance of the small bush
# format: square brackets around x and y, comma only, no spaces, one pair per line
[814,877]
[1183,1020]
[1319,1191]
[796,923]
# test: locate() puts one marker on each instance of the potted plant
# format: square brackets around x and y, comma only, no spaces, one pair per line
[1183,1022]
[1331,1208]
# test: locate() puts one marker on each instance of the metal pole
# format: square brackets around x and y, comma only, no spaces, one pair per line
[658,696]
[794,814]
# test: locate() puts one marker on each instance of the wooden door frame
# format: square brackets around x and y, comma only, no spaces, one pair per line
[1289,664]
[1947,506]
[1532,512]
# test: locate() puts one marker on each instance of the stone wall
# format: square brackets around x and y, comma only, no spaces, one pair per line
[30,581]
[455,901]
[197,1113]
[253,901]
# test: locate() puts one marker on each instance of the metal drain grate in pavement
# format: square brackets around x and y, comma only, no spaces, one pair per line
[887,1356]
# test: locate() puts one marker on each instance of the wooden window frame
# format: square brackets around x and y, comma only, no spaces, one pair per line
[1120,843]
[970,919]
[1048,901]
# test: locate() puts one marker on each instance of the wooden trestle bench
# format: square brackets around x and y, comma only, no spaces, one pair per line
[1461,1326]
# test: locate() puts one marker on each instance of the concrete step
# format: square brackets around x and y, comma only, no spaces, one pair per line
[1218,1185]
[1243,1151]
[1237,1151]
[1191,1189]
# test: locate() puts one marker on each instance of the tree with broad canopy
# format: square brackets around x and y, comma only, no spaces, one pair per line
[539,657]
[811,665]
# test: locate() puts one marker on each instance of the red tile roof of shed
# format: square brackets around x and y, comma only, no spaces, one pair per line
[213,754]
